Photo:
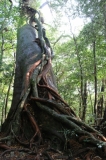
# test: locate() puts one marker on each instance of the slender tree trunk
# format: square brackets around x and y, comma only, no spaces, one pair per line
[2,48]
[3,109]
[95,79]
[8,92]
[100,105]
[104,15]
[81,76]
[84,101]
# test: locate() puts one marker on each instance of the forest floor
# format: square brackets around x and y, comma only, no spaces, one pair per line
[44,151]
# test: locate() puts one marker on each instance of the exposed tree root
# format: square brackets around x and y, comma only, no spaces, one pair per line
[34,125]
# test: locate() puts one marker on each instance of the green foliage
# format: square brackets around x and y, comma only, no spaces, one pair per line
[9,17]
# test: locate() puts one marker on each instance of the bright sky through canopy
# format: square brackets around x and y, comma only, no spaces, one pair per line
[76,24]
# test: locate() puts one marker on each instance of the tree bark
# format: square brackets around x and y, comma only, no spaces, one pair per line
[28,52]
